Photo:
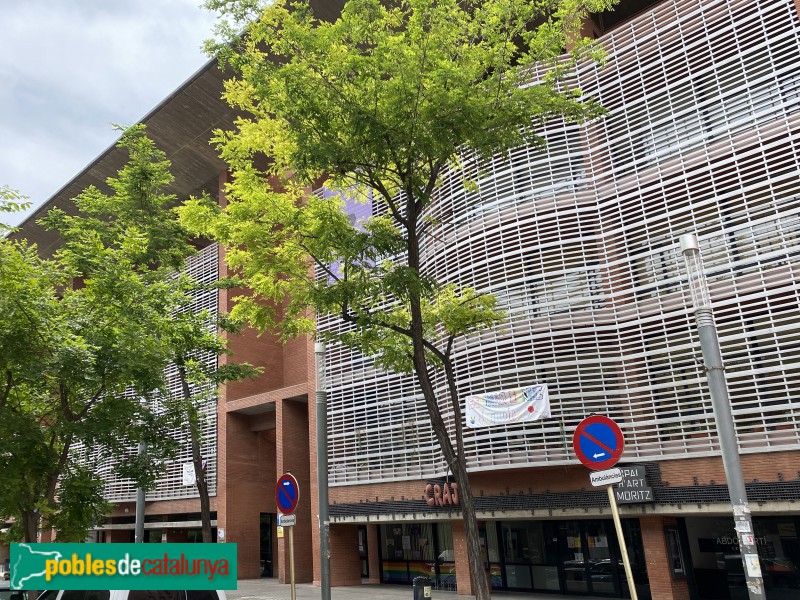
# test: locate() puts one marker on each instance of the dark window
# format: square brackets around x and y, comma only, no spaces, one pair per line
[156,595]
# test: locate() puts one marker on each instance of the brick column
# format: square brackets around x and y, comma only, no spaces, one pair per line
[463,579]
[374,550]
[245,470]
[345,561]
[292,457]
[662,585]
[299,366]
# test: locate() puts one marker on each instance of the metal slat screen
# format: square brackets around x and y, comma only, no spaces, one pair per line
[203,267]
[580,244]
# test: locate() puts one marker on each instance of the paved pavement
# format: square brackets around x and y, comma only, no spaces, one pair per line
[271,589]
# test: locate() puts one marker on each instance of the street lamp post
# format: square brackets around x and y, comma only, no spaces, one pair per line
[322,473]
[138,535]
[720,401]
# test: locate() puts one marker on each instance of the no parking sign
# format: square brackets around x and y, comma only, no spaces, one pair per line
[598,442]
[287,493]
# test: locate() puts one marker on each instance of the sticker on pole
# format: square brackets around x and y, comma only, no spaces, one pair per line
[598,442]
[287,493]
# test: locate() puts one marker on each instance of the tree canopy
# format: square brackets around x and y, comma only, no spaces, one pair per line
[85,337]
[379,105]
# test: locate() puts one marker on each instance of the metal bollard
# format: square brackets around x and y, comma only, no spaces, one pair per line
[422,588]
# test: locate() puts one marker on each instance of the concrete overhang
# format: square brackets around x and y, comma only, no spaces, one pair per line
[181,125]
[776,508]
[154,525]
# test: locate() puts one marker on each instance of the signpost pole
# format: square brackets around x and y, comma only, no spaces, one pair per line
[622,546]
[322,474]
[291,562]
[287,496]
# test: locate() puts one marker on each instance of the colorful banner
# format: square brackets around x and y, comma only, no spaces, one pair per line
[519,405]
[123,566]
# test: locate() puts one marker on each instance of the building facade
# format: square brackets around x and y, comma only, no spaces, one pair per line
[580,244]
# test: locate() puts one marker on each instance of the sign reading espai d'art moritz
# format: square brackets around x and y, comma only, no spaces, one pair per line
[518,405]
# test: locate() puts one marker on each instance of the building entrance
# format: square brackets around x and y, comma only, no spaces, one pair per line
[266,544]
[589,558]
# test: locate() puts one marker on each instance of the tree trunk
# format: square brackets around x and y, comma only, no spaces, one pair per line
[30,525]
[200,475]
[456,460]
[197,459]
[457,463]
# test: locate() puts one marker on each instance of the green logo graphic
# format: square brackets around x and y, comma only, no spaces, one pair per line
[123,566]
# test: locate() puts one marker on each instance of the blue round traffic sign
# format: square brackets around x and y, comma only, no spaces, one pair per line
[598,442]
[287,493]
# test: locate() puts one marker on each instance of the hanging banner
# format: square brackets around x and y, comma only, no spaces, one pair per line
[519,405]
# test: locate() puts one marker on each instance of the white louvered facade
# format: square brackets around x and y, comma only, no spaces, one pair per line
[204,268]
[580,245]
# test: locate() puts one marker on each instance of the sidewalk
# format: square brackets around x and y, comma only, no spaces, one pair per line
[271,589]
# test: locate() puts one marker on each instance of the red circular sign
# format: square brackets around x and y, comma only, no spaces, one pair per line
[287,493]
[598,442]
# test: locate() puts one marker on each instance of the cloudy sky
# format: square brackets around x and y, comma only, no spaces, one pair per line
[70,69]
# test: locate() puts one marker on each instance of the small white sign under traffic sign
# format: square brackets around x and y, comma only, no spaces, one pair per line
[287,520]
[607,477]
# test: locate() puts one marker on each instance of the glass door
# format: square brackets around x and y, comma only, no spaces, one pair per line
[363,551]
[530,555]
[265,544]
[588,561]
[599,559]
[573,558]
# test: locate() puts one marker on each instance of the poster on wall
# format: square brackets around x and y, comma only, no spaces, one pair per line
[188,476]
[519,405]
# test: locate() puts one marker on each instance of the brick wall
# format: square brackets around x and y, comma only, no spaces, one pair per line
[244,491]
[662,585]
[373,551]
[764,467]
[345,561]
[292,457]
[119,536]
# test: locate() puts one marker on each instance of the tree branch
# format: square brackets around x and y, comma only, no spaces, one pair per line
[9,385]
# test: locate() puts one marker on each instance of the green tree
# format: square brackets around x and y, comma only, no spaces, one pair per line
[194,339]
[85,337]
[380,103]
[11,201]
[138,226]
[67,358]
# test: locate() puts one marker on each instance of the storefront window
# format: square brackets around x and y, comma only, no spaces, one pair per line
[490,549]
[779,554]
[445,575]
[406,552]
[531,554]
[717,562]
